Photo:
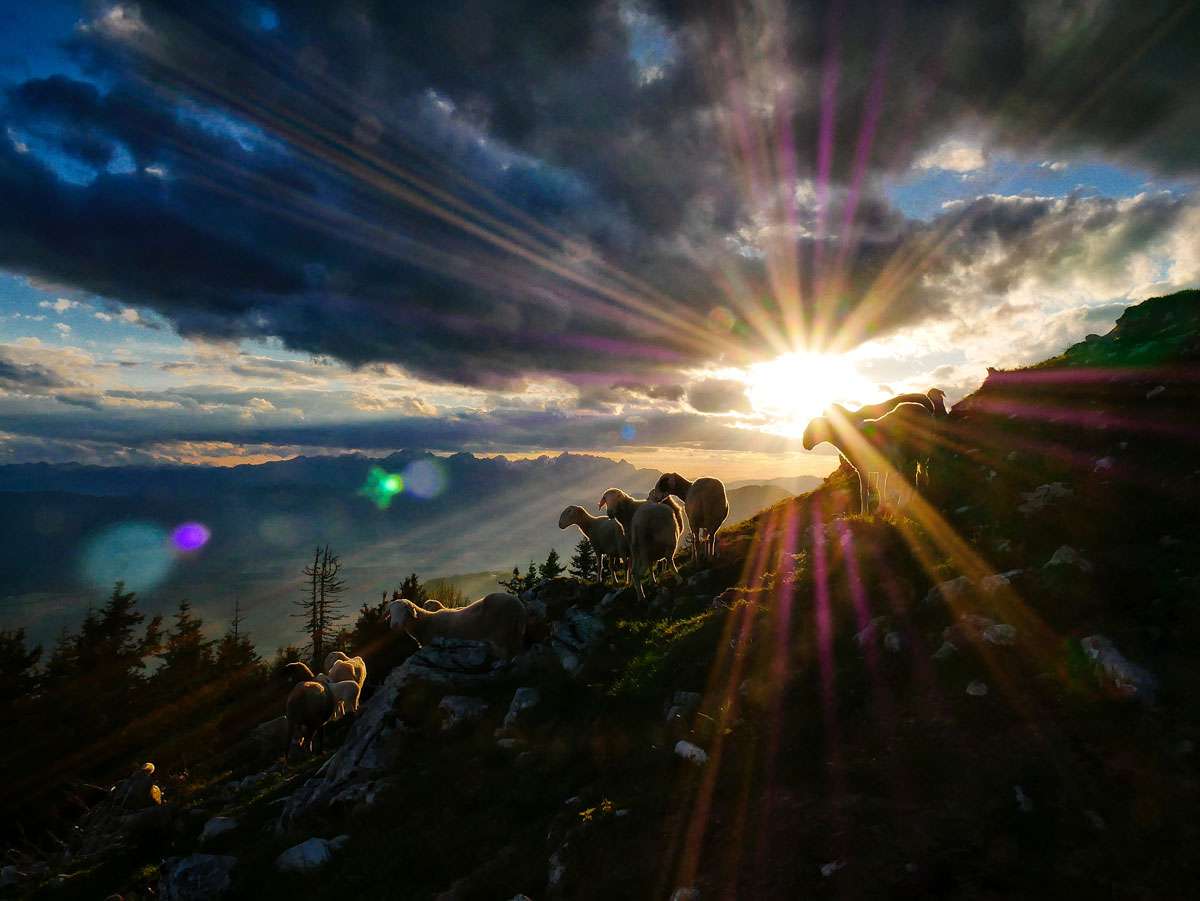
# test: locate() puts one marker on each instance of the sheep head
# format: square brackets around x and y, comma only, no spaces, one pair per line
[572,516]
[610,498]
[402,614]
[818,430]
[333,657]
[657,495]
[670,483]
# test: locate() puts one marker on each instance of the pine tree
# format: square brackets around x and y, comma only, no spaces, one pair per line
[186,654]
[515,583]
[412,589]
[235,652]
[584,562]
[552,568]
[320,609]
[531,576]
[18,664]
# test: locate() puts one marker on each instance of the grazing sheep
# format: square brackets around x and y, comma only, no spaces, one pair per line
[296,672]
[874,411]
[309,707]
[654,536]
[345,694]
[706,504]
[432,604]
[340,668]
[938,398]
[499,619]
[898,441]
[606,535]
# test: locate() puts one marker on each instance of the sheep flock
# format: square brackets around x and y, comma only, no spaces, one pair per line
[634,539]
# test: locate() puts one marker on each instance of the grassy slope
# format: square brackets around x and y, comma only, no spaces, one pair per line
[823,752]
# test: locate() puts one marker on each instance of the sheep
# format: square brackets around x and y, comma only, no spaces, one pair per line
[622,508]
[874,411]
[432,605]
[340,667]
[310,705]
[606,535]
[346,694]
[498,618]
[899,440]
[654,535]
[296,672]
[938,398]
[706,504]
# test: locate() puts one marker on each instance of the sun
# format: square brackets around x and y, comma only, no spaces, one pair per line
[793,388]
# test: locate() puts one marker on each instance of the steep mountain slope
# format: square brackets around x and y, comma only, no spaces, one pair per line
[991,692]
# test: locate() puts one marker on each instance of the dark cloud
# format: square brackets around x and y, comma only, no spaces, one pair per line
[18,376]
[479,192]
[718,396]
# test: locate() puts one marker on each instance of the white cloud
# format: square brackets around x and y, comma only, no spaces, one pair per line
[953,156]
[61,305]
[1054,165]
[62,328]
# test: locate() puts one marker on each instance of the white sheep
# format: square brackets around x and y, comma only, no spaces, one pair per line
[310,705]
[340,667]
[498,618]
[432,604]
[706,504]
[607,536]
[654,535]
[346,694]
[898,442]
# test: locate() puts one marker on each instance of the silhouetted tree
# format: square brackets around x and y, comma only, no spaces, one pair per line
[446,592]
[186,655]
[412,589]
[18,664]
[584,562]
[552,568]
[320,608]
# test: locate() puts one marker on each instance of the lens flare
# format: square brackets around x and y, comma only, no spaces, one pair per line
[191,536]
[381,486]
[628,432]
[425,478]
[136,553]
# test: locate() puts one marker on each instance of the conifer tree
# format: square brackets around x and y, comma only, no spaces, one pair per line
[584,561]
[186,654]
[320,608]
[552,568]
[412,589]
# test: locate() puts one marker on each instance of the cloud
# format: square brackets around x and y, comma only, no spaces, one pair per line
[718,396]
[61,305]
[953,156]
[570,198]
[28,376]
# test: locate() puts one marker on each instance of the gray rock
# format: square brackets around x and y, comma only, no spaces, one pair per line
[947,650]
[217,826]
[450,662]
[458,711]
[977,689]
[691,753]
[524,700]
[994,583]
[573,637]
[1037,500]
[309,855]
[951,591]
[195,878]
[1000,634]
[893,641]
[1068,556]
[685,894]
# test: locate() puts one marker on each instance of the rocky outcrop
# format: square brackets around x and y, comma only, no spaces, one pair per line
[574,636]
[196,878]
[309,855]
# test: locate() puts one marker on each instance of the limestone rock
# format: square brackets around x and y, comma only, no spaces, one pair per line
[195,878]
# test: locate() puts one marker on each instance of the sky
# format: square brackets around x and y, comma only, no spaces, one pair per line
[669,232]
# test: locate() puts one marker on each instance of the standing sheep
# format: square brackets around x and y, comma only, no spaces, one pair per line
[346,694]
[340,667]
[706,505]
[499,619]
[310,705]
[606,535]
[898,441]
[654,536]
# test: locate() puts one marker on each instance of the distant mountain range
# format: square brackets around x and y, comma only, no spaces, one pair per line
[64,529]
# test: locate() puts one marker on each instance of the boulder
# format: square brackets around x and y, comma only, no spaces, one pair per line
[217,826]
[459,711]
[1037,500]
[524,700]
[195,878]
[950,591]
[573,637]
[1068,556]
[691,753]
[309,855]
[447,661]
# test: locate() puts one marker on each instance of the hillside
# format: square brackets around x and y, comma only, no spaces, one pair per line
[988,692]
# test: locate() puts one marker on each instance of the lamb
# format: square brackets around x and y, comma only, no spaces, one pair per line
[653,537]
[897,441]
[706,504]
[346,694]
[499,619]
[606,535]
[340,667]
[310,705]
